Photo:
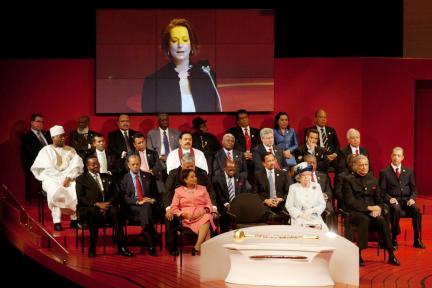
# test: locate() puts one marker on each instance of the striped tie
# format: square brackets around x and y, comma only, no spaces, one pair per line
[324,138]
[231,191]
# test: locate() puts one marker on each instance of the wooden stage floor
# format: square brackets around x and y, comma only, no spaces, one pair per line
[110,270]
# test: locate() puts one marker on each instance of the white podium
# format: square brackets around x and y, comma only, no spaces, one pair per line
[343,268]
[279,264]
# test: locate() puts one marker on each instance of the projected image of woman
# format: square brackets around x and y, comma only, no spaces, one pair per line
[181,85]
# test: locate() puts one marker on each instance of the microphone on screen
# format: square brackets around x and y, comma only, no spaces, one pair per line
[206,69]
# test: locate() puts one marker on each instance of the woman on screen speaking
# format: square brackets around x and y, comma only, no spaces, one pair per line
[181,85]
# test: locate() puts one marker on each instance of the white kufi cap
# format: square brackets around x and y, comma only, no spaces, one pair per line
[56,130]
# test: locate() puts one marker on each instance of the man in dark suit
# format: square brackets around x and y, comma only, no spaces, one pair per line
[272,186]
[353,148]
[364,202]
[312,148]
[173,181]
[227,186]
[149,159]
[106,162]
[81,139]
[204,141]
[227,152]
[397,182]
[120,142]
[267,139]
[329,215]
[31,143]
[139,191]
[246,138]
[97,195]
[327,139]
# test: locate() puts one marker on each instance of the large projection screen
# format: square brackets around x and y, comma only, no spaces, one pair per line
[236,45]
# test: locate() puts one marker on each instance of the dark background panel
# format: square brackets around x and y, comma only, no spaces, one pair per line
[302,28]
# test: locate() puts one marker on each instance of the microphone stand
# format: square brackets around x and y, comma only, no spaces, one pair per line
[206,69]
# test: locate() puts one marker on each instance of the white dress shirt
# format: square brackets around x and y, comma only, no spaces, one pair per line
[173,160]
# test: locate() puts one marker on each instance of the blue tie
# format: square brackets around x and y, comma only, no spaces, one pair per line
[270,180]
[166,143]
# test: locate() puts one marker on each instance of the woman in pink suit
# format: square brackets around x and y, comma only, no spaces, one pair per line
[192,203]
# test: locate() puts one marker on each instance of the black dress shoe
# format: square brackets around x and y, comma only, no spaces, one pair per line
[58,227]
[419,244]
[395,244]
[393,260]
[174,252]
[124,251]
[195,251]
[91,253]
[152,251]
[74,224]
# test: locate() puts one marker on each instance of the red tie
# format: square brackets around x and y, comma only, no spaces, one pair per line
[357,152]
[276,161]
[229,155]
[138,188]
[248,140]
[397,173]
[312,178]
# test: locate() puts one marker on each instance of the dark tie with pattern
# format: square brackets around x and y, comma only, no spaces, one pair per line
[324,138]
[166,143]
[41,139]
[231,190]
[96,177]
[126,138]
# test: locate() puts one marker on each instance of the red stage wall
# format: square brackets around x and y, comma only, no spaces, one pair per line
[374,95]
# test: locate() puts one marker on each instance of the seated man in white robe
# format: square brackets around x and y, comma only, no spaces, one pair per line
[57,166]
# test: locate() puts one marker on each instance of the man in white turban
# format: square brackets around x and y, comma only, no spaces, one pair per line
[57,166]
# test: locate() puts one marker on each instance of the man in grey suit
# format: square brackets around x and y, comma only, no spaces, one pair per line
[228,152]
[163,139]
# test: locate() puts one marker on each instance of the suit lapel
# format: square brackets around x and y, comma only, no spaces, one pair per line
[92,181]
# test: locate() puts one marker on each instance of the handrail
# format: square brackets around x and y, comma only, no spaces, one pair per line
[30,224]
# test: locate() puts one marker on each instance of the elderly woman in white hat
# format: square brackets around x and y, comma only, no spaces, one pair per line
[305,202]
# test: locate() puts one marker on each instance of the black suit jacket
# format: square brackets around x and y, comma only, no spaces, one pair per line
[30,147]
[260,150]
[173,181]
[333,142]
[128,190]
[403,188]
[80,143]
[220,161]
[117,144]
[324,180]
[282,183]
[360,192]
[161,90]
[320,154]
[346,151]
[240,142]
[89,192]
[221,188]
